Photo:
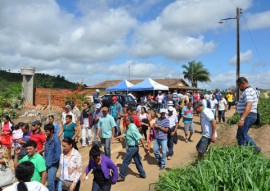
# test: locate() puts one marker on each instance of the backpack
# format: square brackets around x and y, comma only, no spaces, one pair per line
[208,104]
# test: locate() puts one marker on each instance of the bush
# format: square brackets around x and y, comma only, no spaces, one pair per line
[234,119]
[264,109]
[230,168]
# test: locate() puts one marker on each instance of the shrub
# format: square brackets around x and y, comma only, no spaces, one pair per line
[230,168]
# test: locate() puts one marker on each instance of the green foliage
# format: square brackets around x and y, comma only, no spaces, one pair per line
[231,168]
[264,110]
[195,72]
[234,119]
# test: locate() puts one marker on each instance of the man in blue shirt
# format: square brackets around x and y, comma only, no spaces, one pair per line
[187,115]
[116,110]
[52,154]
[162,126]
[96,97]
[55,124]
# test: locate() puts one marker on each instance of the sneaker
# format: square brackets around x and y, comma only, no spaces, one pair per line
[162,168]
[190,140]
[159,164]
[141,176]
[120,179]
[186,140]
[169,158]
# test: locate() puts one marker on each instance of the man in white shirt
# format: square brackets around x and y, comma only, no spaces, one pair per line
[213,105]
[209,133]
[159,99]
[222,107]
[68,112]
[172,131]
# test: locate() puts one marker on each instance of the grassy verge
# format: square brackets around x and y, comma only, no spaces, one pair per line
[230,168]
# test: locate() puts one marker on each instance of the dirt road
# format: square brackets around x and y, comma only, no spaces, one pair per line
[185,153]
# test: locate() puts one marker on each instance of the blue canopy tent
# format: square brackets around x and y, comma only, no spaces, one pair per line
[148,84]
[121,86]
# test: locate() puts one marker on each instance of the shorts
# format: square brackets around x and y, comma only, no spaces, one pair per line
[203,144]
[189,127]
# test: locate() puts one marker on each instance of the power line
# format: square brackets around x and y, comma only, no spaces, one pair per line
[253,41]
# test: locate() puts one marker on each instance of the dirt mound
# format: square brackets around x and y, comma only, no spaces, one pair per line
[227,136]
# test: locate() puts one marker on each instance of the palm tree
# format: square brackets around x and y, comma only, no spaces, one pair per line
[195,72]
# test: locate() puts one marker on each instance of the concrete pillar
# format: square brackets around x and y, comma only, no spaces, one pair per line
[28,84]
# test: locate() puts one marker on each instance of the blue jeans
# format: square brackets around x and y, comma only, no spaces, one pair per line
[159,106]
[242,132]
[170,142]
[117,130]
[107,142]
[97,187]
[221,114]
[132,153]
[163,144]
[51,178]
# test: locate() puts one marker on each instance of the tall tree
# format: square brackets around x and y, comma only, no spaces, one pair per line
[195,72]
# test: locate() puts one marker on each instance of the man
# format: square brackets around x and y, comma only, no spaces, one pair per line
[68,112]
[218,94]
[55,124]
[187,114]
[171,104]
[247,108]
[106,125]
[229,97]
[34,157]
[208,124]
[86,122]
[97,114]
[213,105]
[115,111]
[222,108]
[38,136]
[96,97]
[159,99]
[52,154]
[133,137]
[162,126]
[132,112]
[75,110]
[175,97]
[172,131]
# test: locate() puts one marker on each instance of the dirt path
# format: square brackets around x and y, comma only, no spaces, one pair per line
[266,94]
[184,154]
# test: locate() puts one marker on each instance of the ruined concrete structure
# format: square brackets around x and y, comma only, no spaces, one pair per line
[28,84]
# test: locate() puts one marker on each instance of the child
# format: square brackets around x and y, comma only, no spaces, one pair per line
[17,135]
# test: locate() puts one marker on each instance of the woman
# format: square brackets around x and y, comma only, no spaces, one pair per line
[71,130]
[144,117]
[70,167]
[24,173]
[102,167]
[152,132]
[6,134]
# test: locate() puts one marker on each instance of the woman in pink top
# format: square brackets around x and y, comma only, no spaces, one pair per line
[6,134]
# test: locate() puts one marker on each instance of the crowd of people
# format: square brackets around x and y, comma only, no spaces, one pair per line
[43,152]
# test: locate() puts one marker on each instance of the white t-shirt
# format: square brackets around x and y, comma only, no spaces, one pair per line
[64,114]
[173,119]
[32,186]
[204,103]
[222,104]
[213,103]
[206,121]
[160,98]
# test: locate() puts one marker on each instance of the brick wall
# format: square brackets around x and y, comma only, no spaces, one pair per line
[41,96]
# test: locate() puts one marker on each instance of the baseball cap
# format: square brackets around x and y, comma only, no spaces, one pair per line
[97,90]
[37,122]
[199,104]
[67,107]
[170,108]
[162,110]
[98,106]
[114,98]
[170,102]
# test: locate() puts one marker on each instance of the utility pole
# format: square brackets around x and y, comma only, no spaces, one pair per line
[238,13]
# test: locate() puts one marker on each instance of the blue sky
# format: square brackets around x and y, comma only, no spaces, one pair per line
[94,40]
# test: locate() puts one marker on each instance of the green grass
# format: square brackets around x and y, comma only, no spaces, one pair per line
[231,168]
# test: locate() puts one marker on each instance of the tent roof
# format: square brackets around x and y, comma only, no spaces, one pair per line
[121,86]
[148,84]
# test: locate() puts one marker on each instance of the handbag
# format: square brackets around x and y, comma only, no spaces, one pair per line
[258,120]
[6,175]
[66,184]
[175,138]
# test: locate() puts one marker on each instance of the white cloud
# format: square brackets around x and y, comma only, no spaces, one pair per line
[245,57]
[258,20]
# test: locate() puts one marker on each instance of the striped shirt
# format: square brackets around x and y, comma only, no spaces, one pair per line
[249,95]
[164,123]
